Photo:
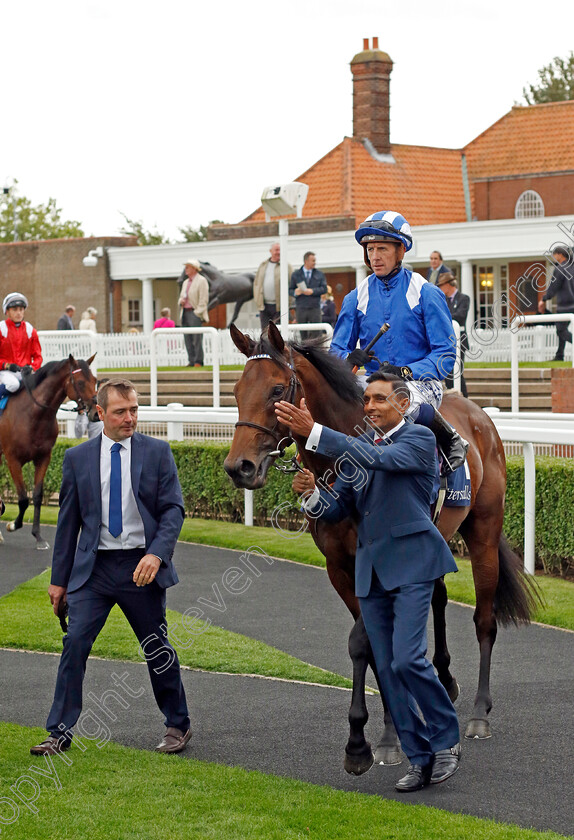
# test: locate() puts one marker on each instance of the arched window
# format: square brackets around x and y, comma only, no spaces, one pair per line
[529,205]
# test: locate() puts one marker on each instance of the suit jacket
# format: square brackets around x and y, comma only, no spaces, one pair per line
[258,284]
[441,270]
[317,282]
[158,496]
[458,308]
[387,489]
[65,323]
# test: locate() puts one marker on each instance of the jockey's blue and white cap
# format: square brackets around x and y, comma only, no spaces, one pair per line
[14,299]
[385,224]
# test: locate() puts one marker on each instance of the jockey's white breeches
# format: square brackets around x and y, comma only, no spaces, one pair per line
[10,380]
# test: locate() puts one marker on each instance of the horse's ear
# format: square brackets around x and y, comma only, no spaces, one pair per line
[243,343]
[72,361]
[275,337]
[91,359]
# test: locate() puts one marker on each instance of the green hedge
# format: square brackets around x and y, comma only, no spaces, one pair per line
[209,494]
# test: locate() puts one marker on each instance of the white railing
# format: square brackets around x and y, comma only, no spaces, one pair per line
[514,351]
[535,344]
[528,430]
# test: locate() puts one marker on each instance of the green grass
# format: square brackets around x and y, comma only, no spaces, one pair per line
[558,593]
[118,793]
[27,622]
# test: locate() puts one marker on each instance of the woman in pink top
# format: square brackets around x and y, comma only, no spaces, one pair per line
[165,320]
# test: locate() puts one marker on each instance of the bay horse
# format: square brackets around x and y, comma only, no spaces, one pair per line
[29,428]
[504,594]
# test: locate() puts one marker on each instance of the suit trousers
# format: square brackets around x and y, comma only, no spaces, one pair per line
[144,607]
[193,343]
[308,316]
[396,621]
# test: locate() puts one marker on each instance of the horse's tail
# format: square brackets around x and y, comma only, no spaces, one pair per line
[517,594]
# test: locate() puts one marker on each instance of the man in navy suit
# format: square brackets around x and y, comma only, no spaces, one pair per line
[437,267]
[120,493]
[385,483]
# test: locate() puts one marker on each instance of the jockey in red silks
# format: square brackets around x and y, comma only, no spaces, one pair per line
[20,350]
[419,346]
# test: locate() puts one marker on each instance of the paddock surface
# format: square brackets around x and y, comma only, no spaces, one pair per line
[521,775]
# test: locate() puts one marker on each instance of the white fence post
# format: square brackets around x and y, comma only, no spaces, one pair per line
[529,507]
[248,507]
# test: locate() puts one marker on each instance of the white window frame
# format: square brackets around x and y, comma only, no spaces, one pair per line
[529,205]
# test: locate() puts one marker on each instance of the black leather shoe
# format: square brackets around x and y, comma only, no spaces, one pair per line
[418,776]
[446,763]
[51,746]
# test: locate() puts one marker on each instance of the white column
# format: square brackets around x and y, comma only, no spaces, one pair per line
[284,276]
[467,288]
[360,273]
[147,303]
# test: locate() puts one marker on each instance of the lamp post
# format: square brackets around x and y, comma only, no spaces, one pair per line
[284,200]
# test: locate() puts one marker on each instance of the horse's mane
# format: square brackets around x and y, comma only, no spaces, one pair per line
[36,378]
[334,370]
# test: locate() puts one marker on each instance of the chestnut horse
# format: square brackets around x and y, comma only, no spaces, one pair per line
[28,426]
[289,371]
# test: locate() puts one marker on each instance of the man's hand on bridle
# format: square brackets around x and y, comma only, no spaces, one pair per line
[299,420]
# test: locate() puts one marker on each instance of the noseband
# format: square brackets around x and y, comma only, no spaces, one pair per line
[283,441]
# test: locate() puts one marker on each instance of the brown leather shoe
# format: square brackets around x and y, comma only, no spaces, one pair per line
[174,740]
[51,746]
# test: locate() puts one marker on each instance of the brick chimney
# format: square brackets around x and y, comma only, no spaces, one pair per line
[371,71]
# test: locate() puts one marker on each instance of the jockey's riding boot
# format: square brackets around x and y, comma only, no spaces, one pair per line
[452,445]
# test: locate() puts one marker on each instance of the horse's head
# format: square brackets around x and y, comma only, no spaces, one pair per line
[259,438]
[82,386]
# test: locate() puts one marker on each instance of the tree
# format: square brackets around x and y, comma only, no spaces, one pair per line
[197,234]
[20,220]
[145,237]
[556,82]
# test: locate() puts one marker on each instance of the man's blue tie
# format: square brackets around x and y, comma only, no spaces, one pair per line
[115,518]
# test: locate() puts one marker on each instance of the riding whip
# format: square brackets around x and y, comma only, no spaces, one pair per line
[372,343]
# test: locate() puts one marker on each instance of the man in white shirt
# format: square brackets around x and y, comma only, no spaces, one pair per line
[267,287]
[121,495]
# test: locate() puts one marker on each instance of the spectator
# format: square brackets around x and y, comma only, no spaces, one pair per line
[194,301]
[88,321]
[307,285]
[328,312]
[267,287]
[65,321]
[165,320]
[458,305]
[437,267]
[562,288]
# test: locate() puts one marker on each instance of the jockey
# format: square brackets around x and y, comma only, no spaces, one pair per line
[20,350]
[420,344]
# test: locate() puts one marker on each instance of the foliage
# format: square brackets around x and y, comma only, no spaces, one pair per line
[20,220]
[135,227]
[111,791]
[555,82]
[199,234]
[209,494]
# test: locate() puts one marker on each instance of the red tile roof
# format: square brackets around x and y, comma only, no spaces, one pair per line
[529,139]
[425,183]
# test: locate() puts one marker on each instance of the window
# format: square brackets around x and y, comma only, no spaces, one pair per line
[529,205]
[134,312]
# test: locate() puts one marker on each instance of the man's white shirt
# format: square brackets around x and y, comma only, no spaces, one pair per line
[133,533]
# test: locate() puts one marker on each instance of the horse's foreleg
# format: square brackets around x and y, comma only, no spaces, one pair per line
[441,658]
[37,496]
[358,753]
[16,472]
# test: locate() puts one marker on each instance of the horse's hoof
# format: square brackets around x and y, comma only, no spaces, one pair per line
[388,755]
[1,537]
[453,691]
[478,729]
[356,765]
[42,545]
[11,526]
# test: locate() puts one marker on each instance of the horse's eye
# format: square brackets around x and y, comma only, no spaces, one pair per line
[277,391]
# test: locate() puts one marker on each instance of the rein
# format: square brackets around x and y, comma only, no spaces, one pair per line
[283,441]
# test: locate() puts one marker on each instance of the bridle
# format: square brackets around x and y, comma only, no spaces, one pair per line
[283,441]
[81,403]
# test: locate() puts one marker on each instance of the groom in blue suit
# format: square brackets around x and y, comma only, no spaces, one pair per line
[385,482]
[121,511]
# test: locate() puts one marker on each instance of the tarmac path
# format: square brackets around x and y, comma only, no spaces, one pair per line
[522,775]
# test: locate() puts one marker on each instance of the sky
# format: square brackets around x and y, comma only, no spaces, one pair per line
[178,112]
